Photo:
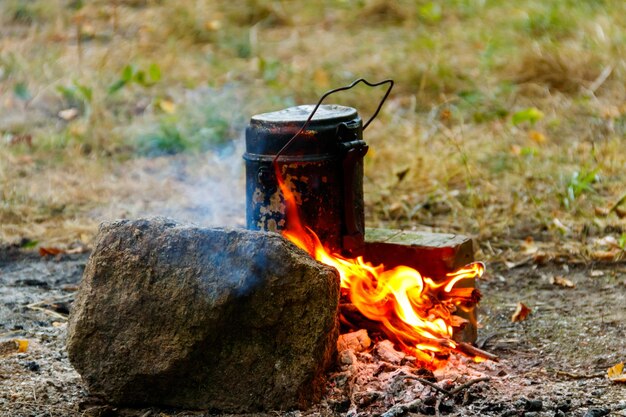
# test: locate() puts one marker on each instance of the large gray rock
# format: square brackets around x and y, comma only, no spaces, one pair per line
[181,316]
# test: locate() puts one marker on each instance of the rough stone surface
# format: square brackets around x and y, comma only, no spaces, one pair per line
[220,319]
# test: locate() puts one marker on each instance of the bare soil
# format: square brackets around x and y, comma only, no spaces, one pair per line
[552,364]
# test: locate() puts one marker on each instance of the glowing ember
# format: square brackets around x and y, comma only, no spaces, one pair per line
[416,312]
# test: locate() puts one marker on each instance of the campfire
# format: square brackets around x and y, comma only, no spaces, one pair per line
[416,312]
[170,314]
[308,186]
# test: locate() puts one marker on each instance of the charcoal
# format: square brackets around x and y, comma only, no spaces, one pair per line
[188,317]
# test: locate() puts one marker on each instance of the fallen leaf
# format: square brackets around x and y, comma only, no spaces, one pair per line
[537,137]
[604,255]
[561,282]
[168,106]
[25,139]
[521,313]
[402,174]
[529,247]
[602,211]
[50,251]
[616,373]
[541,257]
[22,345]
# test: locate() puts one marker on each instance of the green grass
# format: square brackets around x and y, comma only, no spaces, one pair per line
[505,116]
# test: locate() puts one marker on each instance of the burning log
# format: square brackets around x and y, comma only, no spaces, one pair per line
[180,316]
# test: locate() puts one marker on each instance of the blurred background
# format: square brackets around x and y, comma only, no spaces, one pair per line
[507,121]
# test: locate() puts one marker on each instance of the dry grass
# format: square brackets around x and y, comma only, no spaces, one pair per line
[452,150]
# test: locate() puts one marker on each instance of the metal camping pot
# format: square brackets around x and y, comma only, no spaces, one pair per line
[319,152]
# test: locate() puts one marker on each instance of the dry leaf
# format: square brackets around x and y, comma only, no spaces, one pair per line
[616,373]
[529,247]
[521,313]
[604,255]
[22,345]
[541,257]
[537,137]
[50,251]
[602,211]
[562,282]
[168,106]
[24,139]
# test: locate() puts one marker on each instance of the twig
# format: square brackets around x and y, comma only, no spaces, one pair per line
[444,391]
[35,306]
[580,376]
[618,203]
[427,382]
[472,350]
[468,384]
[606,72]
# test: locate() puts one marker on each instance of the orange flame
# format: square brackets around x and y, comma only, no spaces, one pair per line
[415,311]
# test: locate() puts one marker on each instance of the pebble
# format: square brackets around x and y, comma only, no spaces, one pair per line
[597,412]
[533,405]
[564,407]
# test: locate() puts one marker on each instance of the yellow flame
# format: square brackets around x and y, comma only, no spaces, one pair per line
[411,307]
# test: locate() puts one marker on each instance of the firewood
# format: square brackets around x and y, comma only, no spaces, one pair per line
[351,320]
[357,341]
[472,350]
[470,296]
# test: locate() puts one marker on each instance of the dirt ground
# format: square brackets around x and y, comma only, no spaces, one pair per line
[552,364]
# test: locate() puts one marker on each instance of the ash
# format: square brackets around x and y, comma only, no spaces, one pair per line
[376,379]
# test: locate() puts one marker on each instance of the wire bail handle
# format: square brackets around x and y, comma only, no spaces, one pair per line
[333,91]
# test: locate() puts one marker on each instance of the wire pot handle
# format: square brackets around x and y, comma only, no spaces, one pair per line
[333,91]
